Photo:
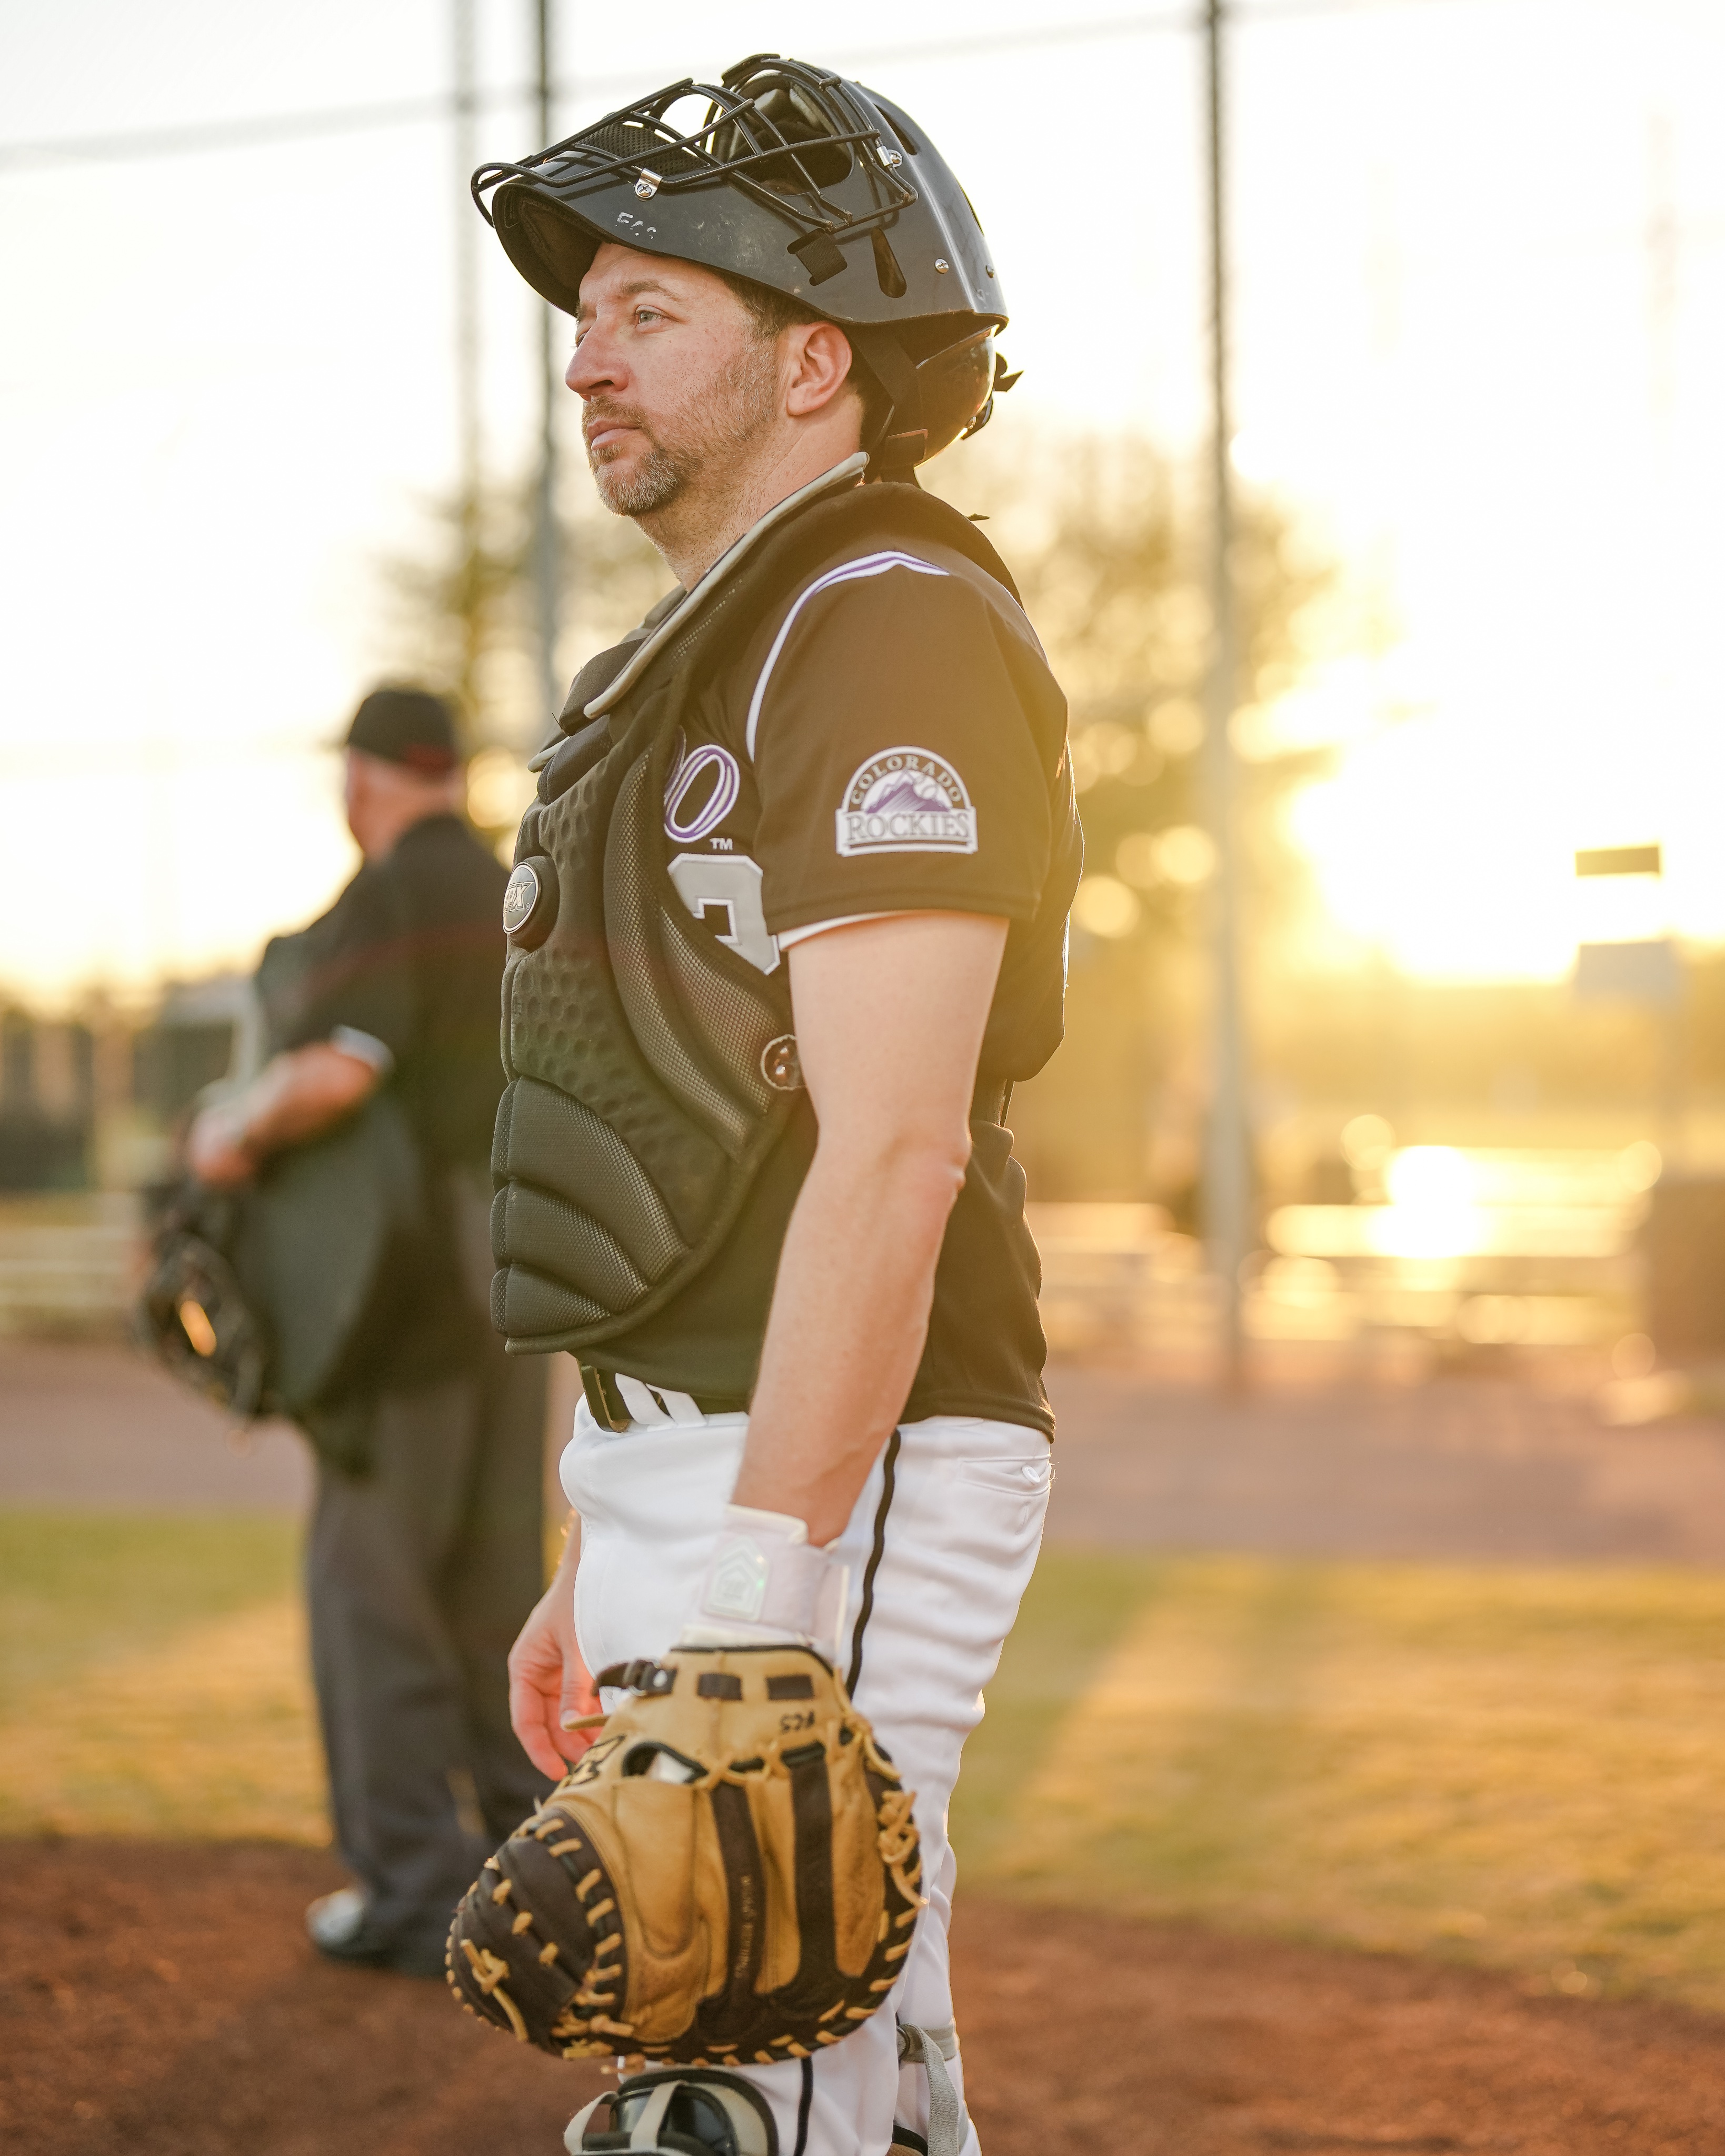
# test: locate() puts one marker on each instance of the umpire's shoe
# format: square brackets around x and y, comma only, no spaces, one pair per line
[339,1926]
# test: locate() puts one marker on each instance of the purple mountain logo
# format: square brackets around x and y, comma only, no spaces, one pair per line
[906,801]
[903,789]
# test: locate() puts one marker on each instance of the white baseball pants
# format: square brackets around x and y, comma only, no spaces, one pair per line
[941,1547]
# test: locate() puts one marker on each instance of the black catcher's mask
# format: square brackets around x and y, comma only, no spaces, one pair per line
[785,174]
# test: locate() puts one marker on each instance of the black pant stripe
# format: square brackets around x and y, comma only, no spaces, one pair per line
[803,2104]
[888,1468]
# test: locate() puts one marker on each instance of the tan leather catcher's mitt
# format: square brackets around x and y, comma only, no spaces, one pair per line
[729,1876]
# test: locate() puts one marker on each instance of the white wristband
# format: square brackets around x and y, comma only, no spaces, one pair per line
[766,1585]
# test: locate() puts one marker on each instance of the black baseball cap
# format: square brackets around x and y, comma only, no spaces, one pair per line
[410,726]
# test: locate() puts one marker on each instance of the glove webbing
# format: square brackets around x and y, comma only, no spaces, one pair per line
[931,2049]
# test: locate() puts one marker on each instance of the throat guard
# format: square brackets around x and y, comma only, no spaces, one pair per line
[652,1071]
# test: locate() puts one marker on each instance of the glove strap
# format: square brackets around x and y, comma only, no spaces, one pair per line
[766,1586]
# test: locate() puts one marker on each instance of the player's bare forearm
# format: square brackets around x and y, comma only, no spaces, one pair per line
[549,1683]
[890,1020]
[296,1097]
[850,1315]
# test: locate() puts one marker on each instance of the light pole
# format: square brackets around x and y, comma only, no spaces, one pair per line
[469,445]
[547,566]
[1227,1175]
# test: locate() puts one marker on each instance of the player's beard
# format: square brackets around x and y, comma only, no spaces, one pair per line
[735,408]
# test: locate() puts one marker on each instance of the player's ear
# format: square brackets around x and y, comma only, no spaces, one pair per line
[819,356]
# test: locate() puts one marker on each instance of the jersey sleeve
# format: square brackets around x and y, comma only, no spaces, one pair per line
[896,763]
[358,978]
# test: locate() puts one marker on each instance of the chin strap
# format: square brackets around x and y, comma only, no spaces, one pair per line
[897,459]
[931,2049]
[896,456]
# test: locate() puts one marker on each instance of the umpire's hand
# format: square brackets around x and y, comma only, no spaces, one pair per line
[296,1096]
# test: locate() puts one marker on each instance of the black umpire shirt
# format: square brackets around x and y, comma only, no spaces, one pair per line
[411,956]
[889,741]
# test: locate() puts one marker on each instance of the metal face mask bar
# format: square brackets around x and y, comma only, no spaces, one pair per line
[780,129]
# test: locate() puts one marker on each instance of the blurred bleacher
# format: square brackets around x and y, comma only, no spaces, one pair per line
[1445,1249]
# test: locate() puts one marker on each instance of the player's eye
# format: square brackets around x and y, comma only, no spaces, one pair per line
[647,315]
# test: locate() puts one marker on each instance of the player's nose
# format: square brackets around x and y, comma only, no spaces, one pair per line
[594,364]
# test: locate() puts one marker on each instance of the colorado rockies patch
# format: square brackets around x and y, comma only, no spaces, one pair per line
[907,801]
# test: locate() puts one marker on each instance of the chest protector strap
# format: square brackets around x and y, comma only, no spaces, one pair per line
[652,1069]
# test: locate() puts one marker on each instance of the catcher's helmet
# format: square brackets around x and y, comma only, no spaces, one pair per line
[788,176]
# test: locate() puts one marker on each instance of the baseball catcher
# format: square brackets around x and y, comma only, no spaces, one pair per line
[786,924]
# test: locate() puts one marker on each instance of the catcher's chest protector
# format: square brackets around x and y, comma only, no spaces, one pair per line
[651,1069]
[730,1876]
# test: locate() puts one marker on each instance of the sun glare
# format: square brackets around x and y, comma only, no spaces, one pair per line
[1416,855]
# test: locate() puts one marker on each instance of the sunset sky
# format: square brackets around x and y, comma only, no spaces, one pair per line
[1480,290]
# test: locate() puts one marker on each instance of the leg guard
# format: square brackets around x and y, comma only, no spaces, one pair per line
[931,2048]
[676,2111]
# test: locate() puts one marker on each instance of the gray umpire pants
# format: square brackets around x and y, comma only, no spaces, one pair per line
[418,1576]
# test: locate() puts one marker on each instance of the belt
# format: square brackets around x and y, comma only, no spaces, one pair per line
[618,1402]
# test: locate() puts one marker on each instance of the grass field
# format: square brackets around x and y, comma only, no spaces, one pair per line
[1518,1765]
[152,1678]
[1524,1766]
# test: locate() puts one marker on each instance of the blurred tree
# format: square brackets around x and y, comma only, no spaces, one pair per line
[456,611]
[1108,550]
[459,617]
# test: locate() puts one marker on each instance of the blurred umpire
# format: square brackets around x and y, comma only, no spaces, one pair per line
[424,1553]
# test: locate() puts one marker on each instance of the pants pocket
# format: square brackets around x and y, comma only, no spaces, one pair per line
[997,1505]
[1014,1478]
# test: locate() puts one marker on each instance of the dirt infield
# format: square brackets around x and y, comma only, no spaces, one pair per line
[159,2000]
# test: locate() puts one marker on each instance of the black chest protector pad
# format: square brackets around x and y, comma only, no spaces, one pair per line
[651,1069]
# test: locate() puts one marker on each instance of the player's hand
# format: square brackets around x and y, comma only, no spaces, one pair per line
[548,1680]
[215,1151]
